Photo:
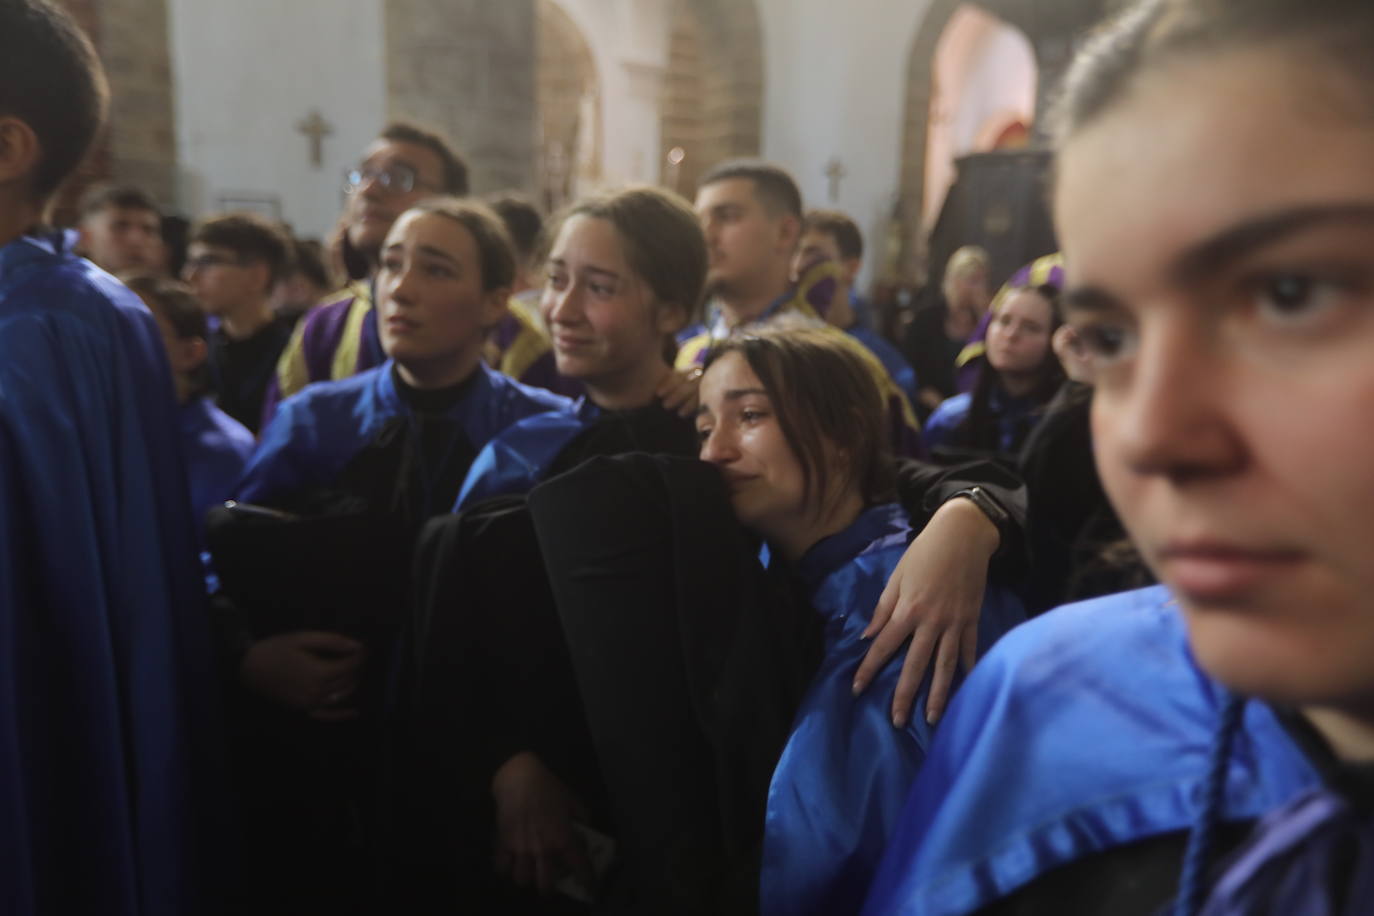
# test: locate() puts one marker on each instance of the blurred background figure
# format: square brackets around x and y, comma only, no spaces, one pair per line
[121,230]
[307,281]
[944,323]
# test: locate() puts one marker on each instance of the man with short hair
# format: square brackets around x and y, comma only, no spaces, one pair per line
[831,236]
[233,263]
[108,763]
[121,229]
[751,212]
[339,339]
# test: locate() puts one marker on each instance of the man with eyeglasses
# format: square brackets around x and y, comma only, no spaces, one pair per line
[233,264]
[339,339]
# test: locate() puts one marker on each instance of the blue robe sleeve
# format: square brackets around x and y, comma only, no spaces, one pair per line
[838,789]
[108,758]
[1085,729]
[945,419]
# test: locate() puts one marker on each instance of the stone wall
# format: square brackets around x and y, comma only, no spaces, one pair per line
[713,87]
[467,68]
[139,146]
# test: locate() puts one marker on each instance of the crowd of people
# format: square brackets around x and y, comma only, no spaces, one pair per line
[610,561]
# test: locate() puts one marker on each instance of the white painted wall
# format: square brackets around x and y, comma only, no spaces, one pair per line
[247,72]
[835,86]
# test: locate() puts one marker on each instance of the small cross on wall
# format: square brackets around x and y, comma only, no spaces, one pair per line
[836,172]
[316,128]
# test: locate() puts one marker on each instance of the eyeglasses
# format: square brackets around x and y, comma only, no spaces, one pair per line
[398,179]
[206,261]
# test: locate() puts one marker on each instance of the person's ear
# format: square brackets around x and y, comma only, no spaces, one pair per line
[20,151]
[495,304]
[851,269]
[669,317]
[262,274]
[789,233]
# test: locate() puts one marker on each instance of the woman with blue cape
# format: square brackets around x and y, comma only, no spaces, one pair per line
[1019,377]
[315,558]
[1208,741]
[705,675]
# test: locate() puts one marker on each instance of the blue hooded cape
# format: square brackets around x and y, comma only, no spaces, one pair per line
[108,729]
[313,435]
[836,793]
[1086,729]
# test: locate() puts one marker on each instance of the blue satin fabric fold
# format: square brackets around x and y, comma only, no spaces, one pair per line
[521,455]
[110,763]
[839,785]
[1085,729]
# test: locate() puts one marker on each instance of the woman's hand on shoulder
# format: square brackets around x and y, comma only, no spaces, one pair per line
[934,596]
[678,391]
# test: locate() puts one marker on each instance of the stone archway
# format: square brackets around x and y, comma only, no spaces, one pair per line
[1051,28]
[568,99]
[917,117]
[712,104]
[468,69]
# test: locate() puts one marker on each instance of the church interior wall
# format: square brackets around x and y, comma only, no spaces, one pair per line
[242,89]
[823,83]
[834,89]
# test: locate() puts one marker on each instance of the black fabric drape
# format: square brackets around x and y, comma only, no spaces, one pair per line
[691,663]
[1077,546]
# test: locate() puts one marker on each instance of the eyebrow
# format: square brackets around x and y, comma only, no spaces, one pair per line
[733,394]
[1226,247]
[1236,242]
[1089,299]
[591,268]
[429,250]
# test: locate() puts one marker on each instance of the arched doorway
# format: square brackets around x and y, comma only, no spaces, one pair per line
[970,77]
[712,103]
[984,80]
[568,99]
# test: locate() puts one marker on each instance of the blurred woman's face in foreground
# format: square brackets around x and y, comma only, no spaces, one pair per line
[1218,227]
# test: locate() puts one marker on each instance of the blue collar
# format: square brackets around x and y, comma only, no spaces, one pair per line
[874,524]
[29,249]
[715,322]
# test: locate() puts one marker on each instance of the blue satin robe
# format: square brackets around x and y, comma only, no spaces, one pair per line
[1086,729]
[108,729]
[1008,413]
[521,455]
[316,433]
[838,788]
[216,447]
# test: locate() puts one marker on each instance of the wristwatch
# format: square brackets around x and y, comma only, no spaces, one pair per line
[987,505]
